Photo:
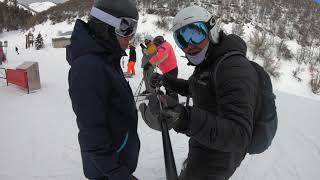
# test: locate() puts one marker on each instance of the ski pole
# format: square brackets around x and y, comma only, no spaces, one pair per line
[188,100]
[122,62]
[171,170]
[140,87]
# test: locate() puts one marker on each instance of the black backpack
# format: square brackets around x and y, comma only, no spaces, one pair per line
[265,118]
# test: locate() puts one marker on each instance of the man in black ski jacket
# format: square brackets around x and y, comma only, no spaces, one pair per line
[101,97]
[220,122]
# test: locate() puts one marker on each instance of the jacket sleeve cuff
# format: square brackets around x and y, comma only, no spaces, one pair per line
[121,173]
[183,123]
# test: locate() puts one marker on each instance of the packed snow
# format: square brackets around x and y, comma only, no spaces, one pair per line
[38,131]
[41,6]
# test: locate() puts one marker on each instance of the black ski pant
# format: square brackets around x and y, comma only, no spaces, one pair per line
[210,177]
[147,72]
[105,178]
[185,175]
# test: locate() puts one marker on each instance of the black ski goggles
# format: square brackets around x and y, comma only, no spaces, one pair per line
[128,27]
[124,26]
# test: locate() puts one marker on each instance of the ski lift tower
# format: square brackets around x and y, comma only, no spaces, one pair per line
[29,40]
[5,44]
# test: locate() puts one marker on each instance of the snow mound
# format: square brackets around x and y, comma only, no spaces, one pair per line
[41,6]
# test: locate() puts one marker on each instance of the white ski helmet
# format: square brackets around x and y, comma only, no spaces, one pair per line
[197,14]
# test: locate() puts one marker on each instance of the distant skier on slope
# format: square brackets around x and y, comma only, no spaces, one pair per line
[148,51]
[101,97]
[132,60]
[166,60]
[226,99]
[17,50]
[3,57]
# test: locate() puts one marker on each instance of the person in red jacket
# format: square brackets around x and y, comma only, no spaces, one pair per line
[166,61]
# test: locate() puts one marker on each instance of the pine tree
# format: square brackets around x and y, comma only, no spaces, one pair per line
[39,42]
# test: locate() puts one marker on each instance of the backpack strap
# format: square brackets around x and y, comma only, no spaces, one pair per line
[216,66]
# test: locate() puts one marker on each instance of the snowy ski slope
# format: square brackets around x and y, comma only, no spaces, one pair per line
[38,131]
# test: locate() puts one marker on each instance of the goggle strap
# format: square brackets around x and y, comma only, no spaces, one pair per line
[211,23]
[105,17]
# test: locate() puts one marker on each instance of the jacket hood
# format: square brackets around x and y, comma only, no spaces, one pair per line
[227,43]
[83,42]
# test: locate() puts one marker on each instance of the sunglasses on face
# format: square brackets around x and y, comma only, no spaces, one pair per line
[193,33]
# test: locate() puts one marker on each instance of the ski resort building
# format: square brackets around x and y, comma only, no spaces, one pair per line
[62,40]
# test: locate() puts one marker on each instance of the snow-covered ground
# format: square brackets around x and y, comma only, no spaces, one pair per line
[38,131]
[41,6]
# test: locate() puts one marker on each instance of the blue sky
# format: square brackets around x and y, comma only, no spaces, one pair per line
[317,1]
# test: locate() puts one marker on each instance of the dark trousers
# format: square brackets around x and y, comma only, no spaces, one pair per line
[189,174]
[169,92]
[147,72]
[184,175]
[105,178]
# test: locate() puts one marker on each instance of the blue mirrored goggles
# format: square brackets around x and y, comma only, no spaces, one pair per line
[193,33]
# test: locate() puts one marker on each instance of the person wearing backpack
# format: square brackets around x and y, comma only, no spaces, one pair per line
[148,51]
[226,95]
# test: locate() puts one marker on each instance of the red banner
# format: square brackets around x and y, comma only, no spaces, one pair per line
[17,77]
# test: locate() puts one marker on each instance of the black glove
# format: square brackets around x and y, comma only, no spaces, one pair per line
[150,113]
[134,178]
[142,46]
[153,104]
[172,112]
[156,80]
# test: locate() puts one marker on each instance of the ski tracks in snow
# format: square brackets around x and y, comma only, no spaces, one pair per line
[309,143]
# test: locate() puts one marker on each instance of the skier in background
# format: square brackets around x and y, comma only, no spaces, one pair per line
[132,60]
[166,60]
[3,57]
[148,51]
[17,50]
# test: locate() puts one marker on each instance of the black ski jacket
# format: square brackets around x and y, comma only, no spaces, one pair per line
[219,138]
[103,103]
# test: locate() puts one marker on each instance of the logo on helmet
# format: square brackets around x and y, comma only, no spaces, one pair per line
[212,21]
